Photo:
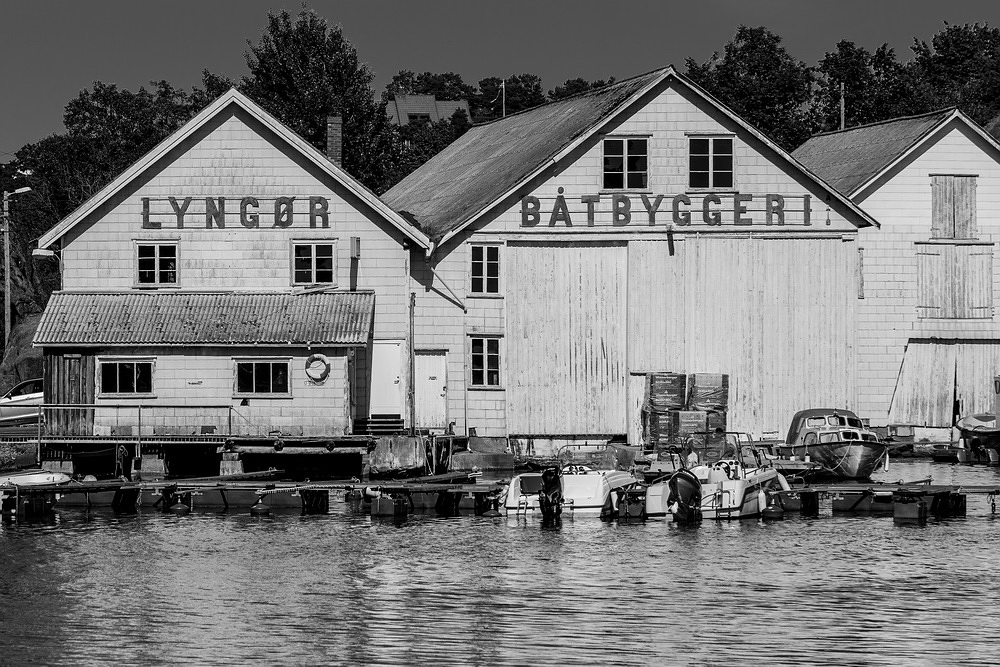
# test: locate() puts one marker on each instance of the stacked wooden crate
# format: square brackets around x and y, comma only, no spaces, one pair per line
[681,410]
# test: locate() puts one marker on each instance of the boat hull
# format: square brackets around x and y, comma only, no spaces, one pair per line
[742,498]
[581,494]
[846,460]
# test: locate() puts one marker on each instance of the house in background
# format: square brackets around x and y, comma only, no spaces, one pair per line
[928,341]
[639,227]
[236,281]
[406,109]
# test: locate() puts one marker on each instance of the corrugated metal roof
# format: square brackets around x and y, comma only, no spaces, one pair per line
[189,318]
[850,158]
[488,160]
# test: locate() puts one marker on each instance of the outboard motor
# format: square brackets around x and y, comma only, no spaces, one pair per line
[550,497]
[684,501]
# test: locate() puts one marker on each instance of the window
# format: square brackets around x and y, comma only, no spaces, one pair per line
[953,207]
[262,377]
[626,164]
[123,376]
[156,264]
[314,263]
[710,162]
[486,362]
[485,269]
[418,117]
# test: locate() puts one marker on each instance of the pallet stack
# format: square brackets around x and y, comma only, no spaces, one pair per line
[681,409]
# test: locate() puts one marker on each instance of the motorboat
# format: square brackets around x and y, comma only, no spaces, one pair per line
[978,439]
[732,488]
[33,477]
[573,489]
[836,439]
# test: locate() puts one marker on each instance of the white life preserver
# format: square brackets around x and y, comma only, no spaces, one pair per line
[316,372]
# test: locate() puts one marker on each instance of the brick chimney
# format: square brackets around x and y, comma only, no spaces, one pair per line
[335,139]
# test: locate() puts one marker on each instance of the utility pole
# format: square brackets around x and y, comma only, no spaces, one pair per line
[6,264]
[842,105]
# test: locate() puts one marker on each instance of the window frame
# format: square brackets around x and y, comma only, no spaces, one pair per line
[294,244]
[116,360]
[237,361]
[485,384]
[485,292]
[711,155]
[157,243]
[625,157]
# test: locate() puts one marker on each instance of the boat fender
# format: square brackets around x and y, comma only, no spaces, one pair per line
[783,483]
[761,500]
[318,368]
[371,493]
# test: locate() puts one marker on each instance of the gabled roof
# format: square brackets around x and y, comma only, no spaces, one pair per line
[851,159]
[490,161]
[232,98]
[197,318]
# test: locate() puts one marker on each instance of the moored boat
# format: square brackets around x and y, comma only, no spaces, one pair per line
[836,439]
[572,489]
[33,477]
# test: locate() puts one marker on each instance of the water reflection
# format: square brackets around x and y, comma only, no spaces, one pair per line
[208,588]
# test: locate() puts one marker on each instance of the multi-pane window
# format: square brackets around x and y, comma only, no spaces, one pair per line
[626,164]
[710,162]
[314,263]
[262,377]
[156,263]
[486,362]
[485,269]
[126,377]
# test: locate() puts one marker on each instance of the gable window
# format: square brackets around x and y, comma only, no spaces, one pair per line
[314,263]
[126,376]
[485,362]
[626,163]
[485,269]
[262,377]
[710,162]
[953,206]
[156,264]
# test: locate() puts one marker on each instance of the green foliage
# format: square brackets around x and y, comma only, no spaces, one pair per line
[423,140]
[876,87]
[521,91]
[303,71]
[576,86]
[758,79]
[448,86]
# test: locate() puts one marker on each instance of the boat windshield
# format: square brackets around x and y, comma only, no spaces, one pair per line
[850,435]
[832,436]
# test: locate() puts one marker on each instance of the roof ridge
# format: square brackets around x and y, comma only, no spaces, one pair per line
[592,91]
[886,121]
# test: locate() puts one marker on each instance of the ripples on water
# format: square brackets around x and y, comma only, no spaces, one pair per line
[207,588]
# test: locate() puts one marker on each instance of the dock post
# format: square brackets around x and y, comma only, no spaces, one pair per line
[810,503]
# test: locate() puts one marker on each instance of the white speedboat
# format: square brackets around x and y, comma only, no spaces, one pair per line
[32,477]
[573,489]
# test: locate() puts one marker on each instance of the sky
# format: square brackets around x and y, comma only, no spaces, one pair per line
[50,50]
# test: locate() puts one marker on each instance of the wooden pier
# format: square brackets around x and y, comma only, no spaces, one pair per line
[448,494]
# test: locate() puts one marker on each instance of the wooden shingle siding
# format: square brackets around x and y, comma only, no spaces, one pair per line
[566,339]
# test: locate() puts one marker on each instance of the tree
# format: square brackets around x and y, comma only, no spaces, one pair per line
[758,79]
[448,86]
[876,86]
[521,91]
[960,67]
[303,71]
[422,140]
[576,86]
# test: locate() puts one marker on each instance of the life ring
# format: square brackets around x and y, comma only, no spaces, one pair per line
[312,373]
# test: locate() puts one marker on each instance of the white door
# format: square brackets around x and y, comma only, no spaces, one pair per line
[387,378]
[431,374]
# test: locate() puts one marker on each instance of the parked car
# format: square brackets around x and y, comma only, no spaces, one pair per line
[20,404]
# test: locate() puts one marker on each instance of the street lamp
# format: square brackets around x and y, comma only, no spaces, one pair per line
[6,264]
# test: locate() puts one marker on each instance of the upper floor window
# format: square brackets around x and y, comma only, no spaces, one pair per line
[262,377]
[626,163]
[314,263]
[156,264]
[953,206]
[485,269]
[710,162]
[126,376]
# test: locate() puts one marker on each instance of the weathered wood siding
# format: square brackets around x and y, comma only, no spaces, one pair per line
[566,339]
[69,379]
[904,273]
